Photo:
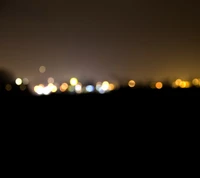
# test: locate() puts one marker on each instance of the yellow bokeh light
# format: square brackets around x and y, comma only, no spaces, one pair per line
[182,84]
[105,85]
[54,89]
[185,84]
[73,81]
[196,82]
[178,82]
[18,81]
[159,85]
[38,89]
[131,83]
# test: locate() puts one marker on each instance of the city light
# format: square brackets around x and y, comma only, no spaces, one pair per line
[111,87]
[25,81]
[42,69]
[50,80]
[18,81]
[196,82]
[63,87]
[179,83]
[89,88]
[101,87]
[159,85]
[73,81]
[131,83]
[78,88]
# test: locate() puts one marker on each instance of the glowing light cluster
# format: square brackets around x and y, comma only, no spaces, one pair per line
[104,87]
[75,86]
[45,90]
[19,81]
[181,84]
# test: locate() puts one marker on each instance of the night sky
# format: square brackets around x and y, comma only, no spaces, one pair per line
[100,40]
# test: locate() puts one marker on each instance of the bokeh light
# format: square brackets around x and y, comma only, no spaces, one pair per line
[181,84]
[90,88]
[159,85]
[73,81]
[25,81]
[111,87]
[18,81]
[42,69]
[78,88]
[63,87]
[50,80]
[54,89]
[101,87]
[196,82]
[131,83]
[105,85]
[38,89]
[71,89]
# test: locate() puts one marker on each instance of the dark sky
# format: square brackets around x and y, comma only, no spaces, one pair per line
[139,39]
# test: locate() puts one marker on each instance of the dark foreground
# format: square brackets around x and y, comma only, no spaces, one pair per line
[125,97]
[120,92]
[127,112]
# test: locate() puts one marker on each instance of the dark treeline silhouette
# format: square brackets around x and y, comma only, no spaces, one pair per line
[6,77]
[8,86]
